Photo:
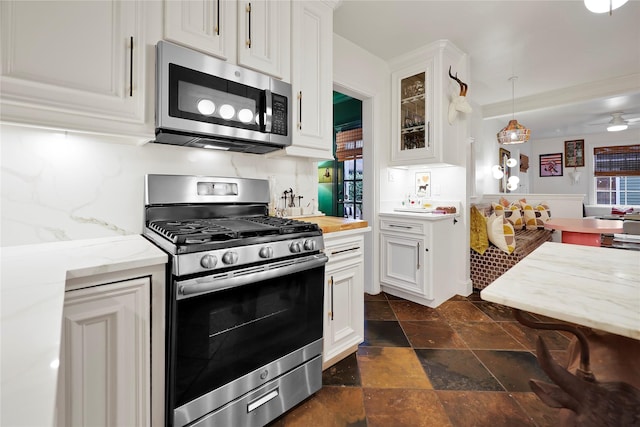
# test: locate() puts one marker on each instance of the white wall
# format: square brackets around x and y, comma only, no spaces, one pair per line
[563,184]
[363,76]
[78,186]
[486,155]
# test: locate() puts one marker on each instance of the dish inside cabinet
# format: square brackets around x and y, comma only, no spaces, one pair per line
[414,129]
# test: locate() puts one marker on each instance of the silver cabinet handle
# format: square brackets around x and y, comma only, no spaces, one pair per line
[418,256]
[342,251]
[406,227]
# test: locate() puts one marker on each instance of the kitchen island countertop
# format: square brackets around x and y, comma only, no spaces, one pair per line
[590,286]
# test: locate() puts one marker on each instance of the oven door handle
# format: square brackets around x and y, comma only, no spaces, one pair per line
[201,285]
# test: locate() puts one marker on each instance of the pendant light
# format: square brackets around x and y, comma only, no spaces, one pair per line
[602,6]
[514,132]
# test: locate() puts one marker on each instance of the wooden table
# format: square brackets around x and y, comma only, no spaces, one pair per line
[589,286]
[583,231]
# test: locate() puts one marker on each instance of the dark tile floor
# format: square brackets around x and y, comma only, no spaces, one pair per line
[465,363]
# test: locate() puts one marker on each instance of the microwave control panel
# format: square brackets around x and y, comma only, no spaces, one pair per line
[280,113]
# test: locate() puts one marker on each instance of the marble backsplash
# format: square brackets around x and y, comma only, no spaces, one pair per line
[66,186]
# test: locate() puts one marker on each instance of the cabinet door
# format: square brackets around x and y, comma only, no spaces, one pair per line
[345,314]
[412,94]
[311,62]
[77,65]
[104,374]
[264,31]
[404,263]
[205,25]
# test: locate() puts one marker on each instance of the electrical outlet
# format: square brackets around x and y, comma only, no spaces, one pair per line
[391,175]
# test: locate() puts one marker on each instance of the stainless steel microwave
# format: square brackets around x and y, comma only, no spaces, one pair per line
[204,102]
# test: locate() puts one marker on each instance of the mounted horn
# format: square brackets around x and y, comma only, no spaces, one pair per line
[463,86]
[458,103]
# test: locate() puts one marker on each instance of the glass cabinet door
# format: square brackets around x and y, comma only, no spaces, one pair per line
[412,127]
[413,133]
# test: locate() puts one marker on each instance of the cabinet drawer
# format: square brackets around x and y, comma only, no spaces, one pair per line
[402,226]
[344,250]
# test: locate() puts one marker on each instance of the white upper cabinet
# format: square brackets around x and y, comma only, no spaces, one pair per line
[421,94]
[251,33]
[311,78]
[205,25]
[80,65]
[264,33]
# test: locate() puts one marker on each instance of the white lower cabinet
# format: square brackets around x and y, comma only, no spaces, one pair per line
[344,296]
[104,378]
[418,260]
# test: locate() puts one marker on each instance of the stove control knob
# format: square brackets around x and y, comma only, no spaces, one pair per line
[208,261]
[230,257]
[265,252]
[295,247]
[309,245]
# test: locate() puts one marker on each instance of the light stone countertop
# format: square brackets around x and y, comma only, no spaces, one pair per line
[590,286]
[31,302]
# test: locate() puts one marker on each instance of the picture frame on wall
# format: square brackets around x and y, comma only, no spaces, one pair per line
[574,153]
[423,184]
[551,164]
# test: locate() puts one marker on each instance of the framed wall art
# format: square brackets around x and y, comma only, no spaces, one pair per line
[423,184]
[551,164]
[574,153]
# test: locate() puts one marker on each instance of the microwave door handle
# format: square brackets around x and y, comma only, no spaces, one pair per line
[268,113]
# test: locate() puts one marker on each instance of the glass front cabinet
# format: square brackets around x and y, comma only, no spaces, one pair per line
[412,95]
[421,92]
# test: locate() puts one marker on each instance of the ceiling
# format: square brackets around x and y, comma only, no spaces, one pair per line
[574,67]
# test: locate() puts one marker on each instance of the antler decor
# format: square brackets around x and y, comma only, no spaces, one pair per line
[458,103]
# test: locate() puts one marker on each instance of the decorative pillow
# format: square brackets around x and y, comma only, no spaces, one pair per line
[535,216]
[504,202]
[501,233]
[479,238]
[621,210]
[512,212]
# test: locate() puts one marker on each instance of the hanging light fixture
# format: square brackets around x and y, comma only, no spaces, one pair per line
[602,6]
[514,132]
[617,123]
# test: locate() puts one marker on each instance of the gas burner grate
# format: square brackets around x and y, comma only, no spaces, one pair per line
[192,231]
[285,225]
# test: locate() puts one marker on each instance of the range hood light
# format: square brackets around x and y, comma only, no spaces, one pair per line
[215,147]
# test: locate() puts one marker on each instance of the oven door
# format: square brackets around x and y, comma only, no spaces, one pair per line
[231,335]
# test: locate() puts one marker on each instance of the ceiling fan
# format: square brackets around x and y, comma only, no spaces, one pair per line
[618,122]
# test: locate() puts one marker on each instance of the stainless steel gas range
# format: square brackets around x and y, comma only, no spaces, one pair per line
[244,302]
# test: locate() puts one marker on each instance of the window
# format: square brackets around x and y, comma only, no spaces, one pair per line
[617,175]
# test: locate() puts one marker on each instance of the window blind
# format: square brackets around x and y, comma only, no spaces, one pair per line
[348,144]
[622,160]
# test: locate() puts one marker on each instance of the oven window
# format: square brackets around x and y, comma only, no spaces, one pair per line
[224,335]
[203,97]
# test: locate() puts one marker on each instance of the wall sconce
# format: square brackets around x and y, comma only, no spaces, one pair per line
[500,172]
[602,6]
[575,176]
